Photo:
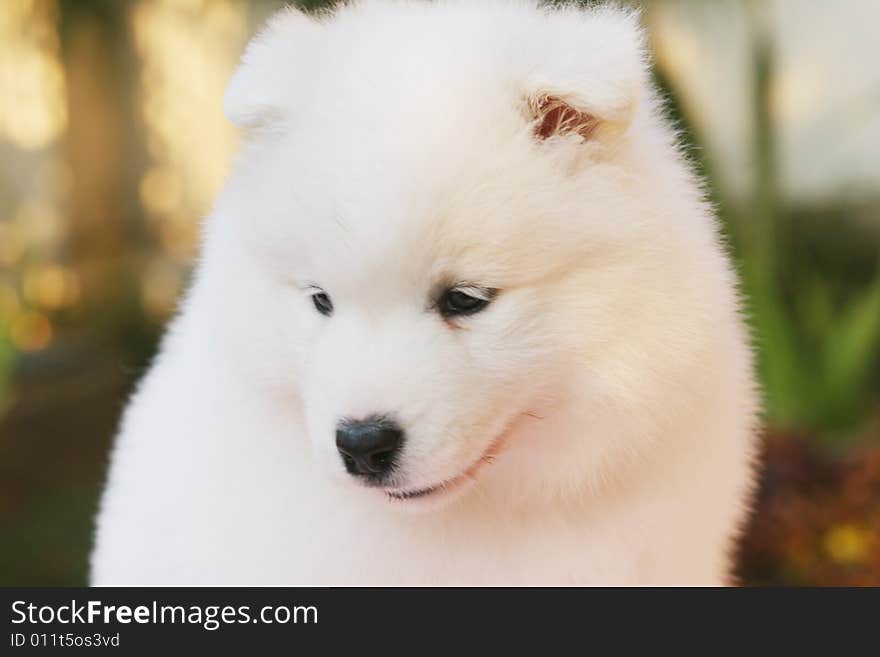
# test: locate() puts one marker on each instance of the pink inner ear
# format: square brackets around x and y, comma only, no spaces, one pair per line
[556,117]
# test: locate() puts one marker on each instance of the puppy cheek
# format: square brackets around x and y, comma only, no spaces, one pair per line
[319,423]
[447,437]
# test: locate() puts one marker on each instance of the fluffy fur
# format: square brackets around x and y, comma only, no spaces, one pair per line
[594,425]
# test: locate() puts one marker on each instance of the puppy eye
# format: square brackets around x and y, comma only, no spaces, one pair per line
[458,301]
[322,302]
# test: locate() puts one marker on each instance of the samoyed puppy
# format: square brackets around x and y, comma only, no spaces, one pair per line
[462,316]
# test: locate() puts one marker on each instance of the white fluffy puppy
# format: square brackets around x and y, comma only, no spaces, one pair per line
[460,269]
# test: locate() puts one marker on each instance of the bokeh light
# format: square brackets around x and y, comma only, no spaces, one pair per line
[31,74]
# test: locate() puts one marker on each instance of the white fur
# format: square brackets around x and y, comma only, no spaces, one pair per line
[391,148]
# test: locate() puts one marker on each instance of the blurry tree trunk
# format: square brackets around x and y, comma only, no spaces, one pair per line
[101,145]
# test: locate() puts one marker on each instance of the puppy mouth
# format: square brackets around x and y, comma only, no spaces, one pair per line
[413,494]
[447,486]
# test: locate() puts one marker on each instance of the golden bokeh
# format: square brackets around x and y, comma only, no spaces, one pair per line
[31,331]
[32,94]
[160,289]
[189,50]
[9,302]
[50,286]
[12,244]
[161,192]
[848,543]
[41,224]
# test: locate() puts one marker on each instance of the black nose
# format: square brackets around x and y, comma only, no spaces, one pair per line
[369,447]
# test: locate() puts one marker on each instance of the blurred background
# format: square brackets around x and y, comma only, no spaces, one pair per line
[113,144]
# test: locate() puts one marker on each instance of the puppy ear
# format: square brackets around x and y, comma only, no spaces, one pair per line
[553,116]
[586,75]
[261,85]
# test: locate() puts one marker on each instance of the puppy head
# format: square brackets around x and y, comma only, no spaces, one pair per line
[439,217]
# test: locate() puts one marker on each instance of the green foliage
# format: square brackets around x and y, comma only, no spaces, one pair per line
[813,305]
[816,357]
[818,335]
[47,543]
